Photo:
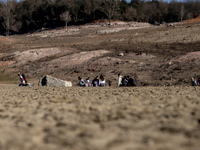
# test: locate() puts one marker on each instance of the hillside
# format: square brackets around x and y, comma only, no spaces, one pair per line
[153,55]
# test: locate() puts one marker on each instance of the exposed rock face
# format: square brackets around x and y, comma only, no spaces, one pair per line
[51,81]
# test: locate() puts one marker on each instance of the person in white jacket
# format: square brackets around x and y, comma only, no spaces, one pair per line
[119,80]
[102,81]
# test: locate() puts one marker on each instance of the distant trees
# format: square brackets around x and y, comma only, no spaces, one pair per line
[8,18]
[29,15]
[131,14]
[66,17]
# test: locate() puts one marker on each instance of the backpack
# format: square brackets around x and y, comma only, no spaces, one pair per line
[24,77]
[133,81]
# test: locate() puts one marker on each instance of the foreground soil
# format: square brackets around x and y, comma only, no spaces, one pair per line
[139,118]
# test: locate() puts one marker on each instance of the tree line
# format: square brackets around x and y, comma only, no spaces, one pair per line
[30,15]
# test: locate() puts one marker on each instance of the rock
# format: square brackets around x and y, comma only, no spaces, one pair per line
[44,36]
[51,81]
[130,61]
[121,54]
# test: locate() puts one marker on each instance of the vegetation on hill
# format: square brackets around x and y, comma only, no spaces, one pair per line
[30,15]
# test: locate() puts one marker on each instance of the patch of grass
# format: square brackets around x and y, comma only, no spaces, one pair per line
[4,77]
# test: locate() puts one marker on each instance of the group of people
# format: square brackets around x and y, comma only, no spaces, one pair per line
[100,82]
[194,82]
[96,82]
[125,81]
[23,81]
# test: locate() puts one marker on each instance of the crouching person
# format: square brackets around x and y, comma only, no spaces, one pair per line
[131,81]
[87,82]
[102,81]
[81,81]
[193,82]
[23,81]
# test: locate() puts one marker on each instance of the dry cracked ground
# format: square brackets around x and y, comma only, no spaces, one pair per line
[163,115]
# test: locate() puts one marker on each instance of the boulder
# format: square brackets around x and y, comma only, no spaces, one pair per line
[51,81]
[121,54]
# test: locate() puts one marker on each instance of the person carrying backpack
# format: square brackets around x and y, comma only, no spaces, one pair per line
[22,81]
[24,77]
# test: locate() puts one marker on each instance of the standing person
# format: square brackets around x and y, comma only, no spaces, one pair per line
[131,81]
[24,77]
[119,80]
[102,81]
[21,80]
[95,82]
[81,81]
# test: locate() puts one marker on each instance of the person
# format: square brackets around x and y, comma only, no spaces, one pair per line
[87,82]
[27,84]
[119,80]
[95,82]
[198,81]
[131,81]
[81,81]
[24,77]
[102,81]
[22,82]
[193,82]
[124,81]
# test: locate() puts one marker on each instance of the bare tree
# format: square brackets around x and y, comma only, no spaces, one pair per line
[108,8]
[66,17]
[182,12]
[7,16]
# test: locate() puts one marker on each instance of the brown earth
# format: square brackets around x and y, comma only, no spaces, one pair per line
[155,117]
[147,54]
[197,19]
[139,118]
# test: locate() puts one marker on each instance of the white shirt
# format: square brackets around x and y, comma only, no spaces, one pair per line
[21,79]
[102,82]
[87,81]
[120,80]
[81,82]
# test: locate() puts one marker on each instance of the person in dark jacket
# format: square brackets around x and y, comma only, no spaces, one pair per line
[95,82]
[124,81]
[131,81]
[193,82]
